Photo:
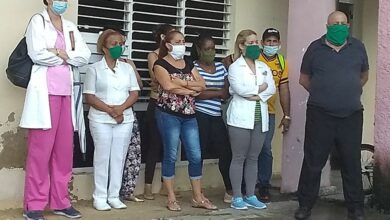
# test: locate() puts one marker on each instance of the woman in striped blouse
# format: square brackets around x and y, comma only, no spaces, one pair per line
[212,129]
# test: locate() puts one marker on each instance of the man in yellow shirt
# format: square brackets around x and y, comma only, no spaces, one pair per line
[271,45]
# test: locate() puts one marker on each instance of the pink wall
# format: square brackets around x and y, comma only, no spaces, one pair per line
[306,22]
[382,102]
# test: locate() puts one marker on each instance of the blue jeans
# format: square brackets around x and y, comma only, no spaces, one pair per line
[264,173]
[172,129]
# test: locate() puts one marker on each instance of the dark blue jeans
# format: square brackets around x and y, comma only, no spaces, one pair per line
[172,129]
[264,173]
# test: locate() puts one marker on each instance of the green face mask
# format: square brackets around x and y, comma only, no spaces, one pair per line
[116,52]
[337,34]
[252,51]
[207,56]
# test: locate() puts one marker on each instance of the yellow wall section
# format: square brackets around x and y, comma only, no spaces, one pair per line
[370,39]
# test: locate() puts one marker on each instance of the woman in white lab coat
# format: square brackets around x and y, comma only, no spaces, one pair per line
[56,48]
[251,85]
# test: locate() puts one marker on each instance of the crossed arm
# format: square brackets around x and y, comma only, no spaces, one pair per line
[179,86]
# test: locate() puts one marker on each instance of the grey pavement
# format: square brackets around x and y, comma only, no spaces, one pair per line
[282,207]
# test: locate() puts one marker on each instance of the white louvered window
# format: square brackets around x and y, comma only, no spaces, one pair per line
[211,16]
[138,18]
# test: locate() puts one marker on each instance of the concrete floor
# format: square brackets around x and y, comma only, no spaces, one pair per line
[282,208]
[330,207]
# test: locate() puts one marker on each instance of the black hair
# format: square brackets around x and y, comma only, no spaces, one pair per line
[161,29]
[116,29]
[197,44]
[45,2]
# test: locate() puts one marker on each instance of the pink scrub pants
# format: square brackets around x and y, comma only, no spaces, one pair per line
[49,159]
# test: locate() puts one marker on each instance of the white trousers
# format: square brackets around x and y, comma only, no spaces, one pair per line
[111,144]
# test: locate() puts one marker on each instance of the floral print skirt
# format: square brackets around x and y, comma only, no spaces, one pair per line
[133,162]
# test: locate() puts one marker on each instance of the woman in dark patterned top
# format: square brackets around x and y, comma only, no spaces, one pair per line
[179,83]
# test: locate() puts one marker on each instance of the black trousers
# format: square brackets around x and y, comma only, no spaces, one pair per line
[214,139]
[322,132]
[154,149]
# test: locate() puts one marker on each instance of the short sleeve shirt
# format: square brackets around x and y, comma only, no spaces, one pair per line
[335,77]
[111,87]
[280,76]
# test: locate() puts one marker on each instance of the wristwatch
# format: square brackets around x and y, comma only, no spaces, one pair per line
[287,117]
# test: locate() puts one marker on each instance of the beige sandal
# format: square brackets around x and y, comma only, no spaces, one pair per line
[173,206]
[204,204]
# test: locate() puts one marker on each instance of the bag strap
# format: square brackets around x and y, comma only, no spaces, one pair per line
[281,60]
[43,19]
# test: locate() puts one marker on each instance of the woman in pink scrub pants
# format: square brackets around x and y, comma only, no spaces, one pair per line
[56,48]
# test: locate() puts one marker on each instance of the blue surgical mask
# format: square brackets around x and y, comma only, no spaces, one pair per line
[59,7]
[270,51]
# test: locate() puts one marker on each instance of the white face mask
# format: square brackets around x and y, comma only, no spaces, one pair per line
[178,51]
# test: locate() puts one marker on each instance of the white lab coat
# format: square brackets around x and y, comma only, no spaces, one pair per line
[243,83]
[39,37]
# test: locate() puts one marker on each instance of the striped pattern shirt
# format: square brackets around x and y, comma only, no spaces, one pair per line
[213,81]
[258,112]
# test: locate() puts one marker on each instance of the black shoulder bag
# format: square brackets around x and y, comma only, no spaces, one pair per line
[20,64]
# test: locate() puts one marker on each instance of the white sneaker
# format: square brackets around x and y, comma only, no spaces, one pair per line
[116,203]
[101,206]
